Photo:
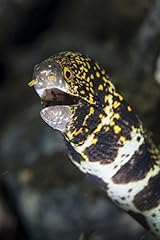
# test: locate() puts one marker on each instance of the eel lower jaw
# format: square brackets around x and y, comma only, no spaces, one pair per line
[58,106]
[57,117]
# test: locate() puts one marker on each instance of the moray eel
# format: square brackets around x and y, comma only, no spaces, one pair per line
[104,137]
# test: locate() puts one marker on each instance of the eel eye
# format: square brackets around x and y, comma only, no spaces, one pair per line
[67,73]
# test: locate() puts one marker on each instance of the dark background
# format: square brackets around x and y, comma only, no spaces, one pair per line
[42,196]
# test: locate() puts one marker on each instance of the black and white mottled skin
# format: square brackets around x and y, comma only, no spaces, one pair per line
[105,138]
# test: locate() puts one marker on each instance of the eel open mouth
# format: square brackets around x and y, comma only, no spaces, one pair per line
[58,105]
[54,97]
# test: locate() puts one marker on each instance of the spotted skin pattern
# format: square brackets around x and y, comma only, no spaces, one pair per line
[106,140]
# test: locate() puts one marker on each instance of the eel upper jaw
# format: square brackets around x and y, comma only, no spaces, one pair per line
[58,105]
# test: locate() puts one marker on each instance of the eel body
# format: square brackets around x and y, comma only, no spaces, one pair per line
[105,138]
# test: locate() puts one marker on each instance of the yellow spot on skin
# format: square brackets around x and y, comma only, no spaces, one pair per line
[116,115]
[87,88]
[91,110]
[129,109]
[116,104]
[98,74]
[51,77]
[105,79]
[84,76]
[107,129]
[88,65]
[97,65]
[84,156]
[117,129]
[100,87]
[32,83]
[91,100]
[112,123]
[85,69]
[88,79]
[119,96]
[122,139]
[86,130]
[100,125]
[111,89]
[75,65]
[82,92]
[94,141]
[91,84]
[106,98]
[92,76]
[103,71]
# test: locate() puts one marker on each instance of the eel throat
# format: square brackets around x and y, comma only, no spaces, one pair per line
[54,97]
